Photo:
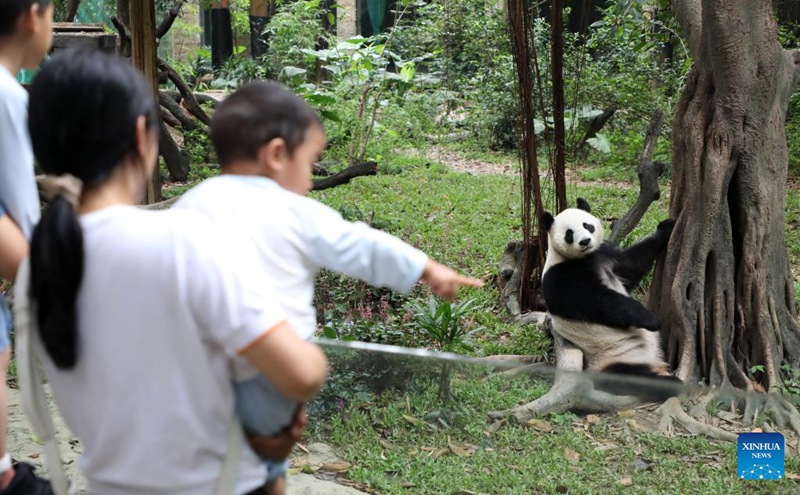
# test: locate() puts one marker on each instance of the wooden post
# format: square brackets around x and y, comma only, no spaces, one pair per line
[261,11]
[143,57]
[221,33]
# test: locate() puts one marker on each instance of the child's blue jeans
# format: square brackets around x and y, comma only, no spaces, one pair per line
[265,411]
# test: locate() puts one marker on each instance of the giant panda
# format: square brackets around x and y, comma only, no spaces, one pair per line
[586,284]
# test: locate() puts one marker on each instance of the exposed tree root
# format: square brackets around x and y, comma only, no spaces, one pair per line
[780,411]
[781,414]
[572,390]
[673,412]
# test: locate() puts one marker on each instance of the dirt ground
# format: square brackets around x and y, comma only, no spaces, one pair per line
[24,446]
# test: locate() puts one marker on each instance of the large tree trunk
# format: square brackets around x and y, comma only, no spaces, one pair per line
[724,290]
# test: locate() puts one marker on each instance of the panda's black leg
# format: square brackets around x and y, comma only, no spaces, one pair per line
[635,262]
[619,311]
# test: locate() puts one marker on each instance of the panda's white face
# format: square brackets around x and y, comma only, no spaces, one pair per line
[575,233]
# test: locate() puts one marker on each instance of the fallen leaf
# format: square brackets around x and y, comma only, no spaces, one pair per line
[335,467]
[460,451]
[540,425]
[439,453]
[571,455]
[407,484]
[792,476]
[302,447]
[635,426]
[606,446]
[625,482]
[729,416]
[643,465]
[630,413]
[593,419]
[497,425]
[414,421]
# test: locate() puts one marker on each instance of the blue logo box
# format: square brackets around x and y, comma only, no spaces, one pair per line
[761,456]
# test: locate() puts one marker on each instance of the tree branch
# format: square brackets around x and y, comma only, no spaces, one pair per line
[689,14]
[175,109]
[72,10]
[122,29]
[648,172]
[796,57]
[202,98]
[346,175]
[188,96]
[168,20]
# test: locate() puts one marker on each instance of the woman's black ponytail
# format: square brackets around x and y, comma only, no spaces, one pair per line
[56,261]
[83,110]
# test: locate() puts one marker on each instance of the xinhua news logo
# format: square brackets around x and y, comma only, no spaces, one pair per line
[761,456]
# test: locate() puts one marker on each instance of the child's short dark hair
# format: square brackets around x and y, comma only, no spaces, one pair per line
[254,115]
[10,10]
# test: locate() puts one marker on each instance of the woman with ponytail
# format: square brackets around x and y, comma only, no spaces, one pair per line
[138,312]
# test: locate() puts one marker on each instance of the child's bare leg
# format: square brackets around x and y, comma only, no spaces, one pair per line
[276,486]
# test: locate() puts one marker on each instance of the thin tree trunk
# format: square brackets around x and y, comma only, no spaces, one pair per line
[143,55]
[724,291]
[559,132]
[124,16]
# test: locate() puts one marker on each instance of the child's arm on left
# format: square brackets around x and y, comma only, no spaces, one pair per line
[13,247]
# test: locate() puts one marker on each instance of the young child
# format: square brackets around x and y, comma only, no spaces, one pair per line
[267,140]
[25,37]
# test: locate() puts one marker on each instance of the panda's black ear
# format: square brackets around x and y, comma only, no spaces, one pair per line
[584,205]
[546,221]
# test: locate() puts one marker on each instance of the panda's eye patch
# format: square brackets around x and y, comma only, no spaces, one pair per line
[589,227]
[568,236]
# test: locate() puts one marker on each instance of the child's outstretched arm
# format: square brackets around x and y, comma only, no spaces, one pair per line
[381,259]
[444,281]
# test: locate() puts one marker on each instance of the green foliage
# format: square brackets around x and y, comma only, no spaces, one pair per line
[441,322]
[297,26]
[790,380]
[198,144]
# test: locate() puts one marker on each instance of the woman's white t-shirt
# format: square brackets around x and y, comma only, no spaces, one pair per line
[163,303]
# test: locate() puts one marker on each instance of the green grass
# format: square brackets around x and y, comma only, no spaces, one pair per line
[393,449]
[466,220]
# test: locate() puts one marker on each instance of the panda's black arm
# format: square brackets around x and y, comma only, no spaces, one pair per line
[635,262]
[591,302]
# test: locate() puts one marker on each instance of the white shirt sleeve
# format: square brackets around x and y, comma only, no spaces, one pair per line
[355,249]
[18,191]
[231,299]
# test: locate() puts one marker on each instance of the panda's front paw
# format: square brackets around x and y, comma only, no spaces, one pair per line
[666,226]
[651,323]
